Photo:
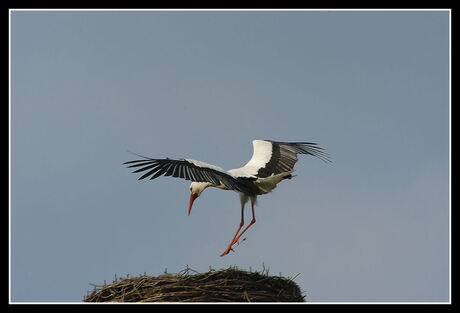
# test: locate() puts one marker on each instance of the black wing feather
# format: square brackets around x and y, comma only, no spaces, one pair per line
[310,148]
[185,169]
[284,156]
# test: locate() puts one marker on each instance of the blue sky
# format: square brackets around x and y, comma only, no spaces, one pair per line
[371,87]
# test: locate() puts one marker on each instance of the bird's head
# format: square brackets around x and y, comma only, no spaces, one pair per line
[196,188]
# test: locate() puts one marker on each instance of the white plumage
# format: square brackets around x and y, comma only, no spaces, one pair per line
[260,157]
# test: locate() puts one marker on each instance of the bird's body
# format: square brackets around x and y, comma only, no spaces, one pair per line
[271,163]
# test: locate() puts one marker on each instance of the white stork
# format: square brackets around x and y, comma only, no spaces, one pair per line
[271,162]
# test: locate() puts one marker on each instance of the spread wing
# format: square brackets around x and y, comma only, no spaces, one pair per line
[274,157]
[188,169]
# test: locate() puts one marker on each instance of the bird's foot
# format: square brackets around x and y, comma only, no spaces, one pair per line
[230,247]
[227,251]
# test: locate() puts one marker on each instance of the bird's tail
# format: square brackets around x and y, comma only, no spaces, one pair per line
[269,183]
[289,176]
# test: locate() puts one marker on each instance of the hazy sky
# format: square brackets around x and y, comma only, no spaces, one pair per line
[371,87]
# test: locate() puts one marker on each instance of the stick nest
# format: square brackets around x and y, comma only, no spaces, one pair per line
[227,285]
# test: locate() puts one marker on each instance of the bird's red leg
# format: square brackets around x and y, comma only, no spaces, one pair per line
[250,224]
[237,237]
[236,234]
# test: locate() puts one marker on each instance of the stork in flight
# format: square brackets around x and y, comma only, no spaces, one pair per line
[271,162]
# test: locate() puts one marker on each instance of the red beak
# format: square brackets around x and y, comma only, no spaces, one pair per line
[193,196]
